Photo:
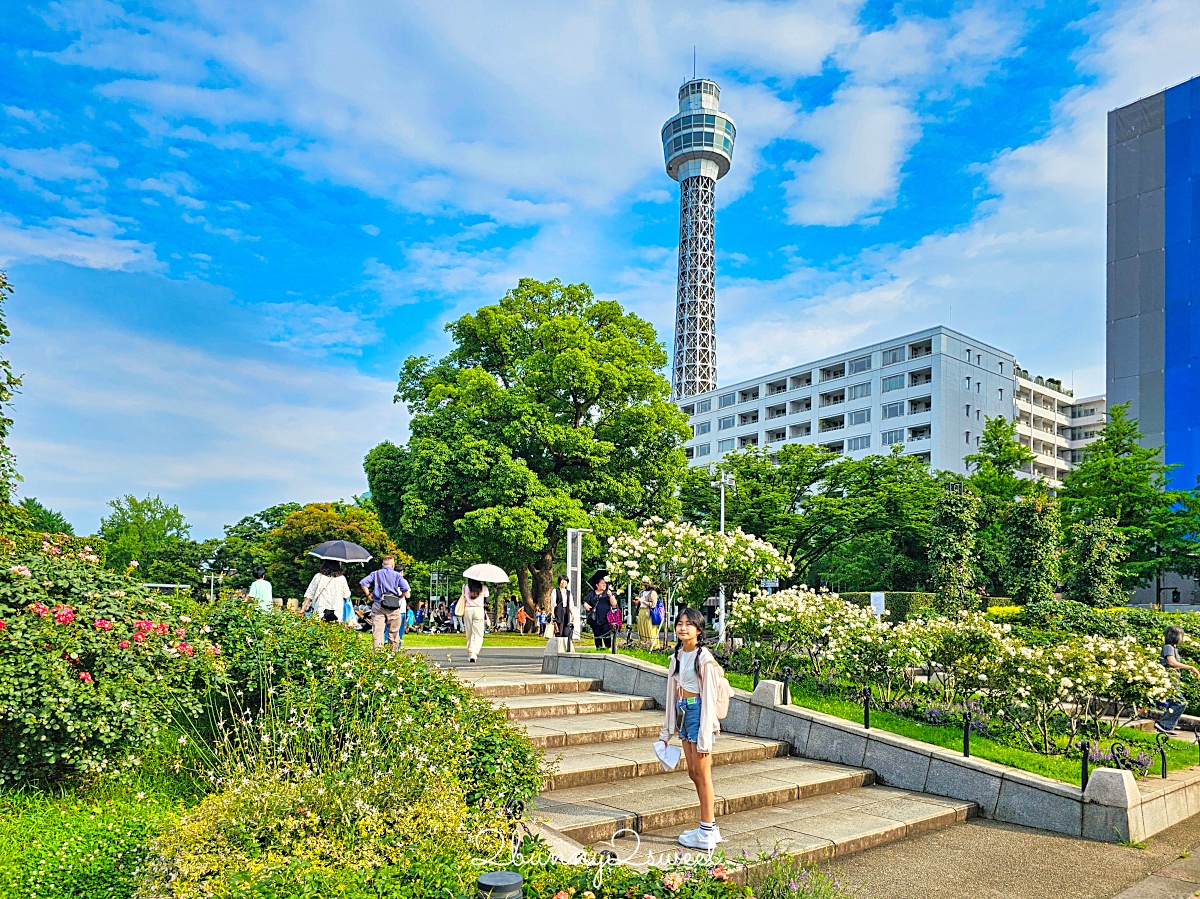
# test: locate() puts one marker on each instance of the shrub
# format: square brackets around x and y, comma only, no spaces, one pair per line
[92,666]
[794,621]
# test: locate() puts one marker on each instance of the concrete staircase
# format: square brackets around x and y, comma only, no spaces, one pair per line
[607,781]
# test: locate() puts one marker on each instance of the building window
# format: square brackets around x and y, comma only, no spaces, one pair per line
[859,365]
[979,386]
[859,417]
[859,443]
[895,382]
[703,427]
[724,446]
[704,406]
[967,438]
[858,391]
[727,400]
[724,422]
[979,360]
[894,355]
[1001,368]
[979,415]
[1000,394]
[703,449]
[893,410]
[966,383]
[968,410]
[887,438]
[968,355]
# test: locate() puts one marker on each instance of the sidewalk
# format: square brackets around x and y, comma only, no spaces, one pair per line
[986,860]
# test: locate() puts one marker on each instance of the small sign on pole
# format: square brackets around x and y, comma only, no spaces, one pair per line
[877,605]
[770,583]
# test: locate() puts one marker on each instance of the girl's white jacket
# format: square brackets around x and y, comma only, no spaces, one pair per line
[709,725]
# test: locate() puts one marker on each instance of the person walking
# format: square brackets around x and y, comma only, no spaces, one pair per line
[511,615]
[647,602]
[260,590]
[1169,659]
[327,592]
[560,610]
[691,711]
[388,592]
[599,602]
[474,594]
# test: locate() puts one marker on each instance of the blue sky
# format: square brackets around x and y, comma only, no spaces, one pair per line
[229,223]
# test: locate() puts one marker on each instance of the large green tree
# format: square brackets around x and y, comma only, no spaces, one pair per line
[251,543]
[550,412]
[1095,550]
[44,520]
[154,534]
[952,550]
[1122,480]
[1031,549]
[815,505]
[994,480]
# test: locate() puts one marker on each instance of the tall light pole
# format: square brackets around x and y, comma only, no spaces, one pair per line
[724,479]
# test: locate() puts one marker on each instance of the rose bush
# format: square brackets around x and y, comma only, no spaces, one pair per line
[92,665]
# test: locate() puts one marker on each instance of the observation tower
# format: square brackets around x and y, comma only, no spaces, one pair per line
[698,146]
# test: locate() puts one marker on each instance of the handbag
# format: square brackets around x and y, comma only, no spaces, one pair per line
[657,613]
[391,601]
[460,607]
[614,618]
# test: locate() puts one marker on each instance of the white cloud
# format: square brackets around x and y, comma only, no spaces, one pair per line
[179,186]
[92,240]
[105,412]
[318,329]
[862,139]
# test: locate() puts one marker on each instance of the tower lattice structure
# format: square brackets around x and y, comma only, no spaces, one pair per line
[698,146]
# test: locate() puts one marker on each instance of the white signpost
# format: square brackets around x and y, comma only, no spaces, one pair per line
[575,575]
[877,605]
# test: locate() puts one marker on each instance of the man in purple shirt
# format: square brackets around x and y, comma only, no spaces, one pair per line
[388,592]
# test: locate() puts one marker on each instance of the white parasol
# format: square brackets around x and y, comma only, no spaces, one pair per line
[492,574]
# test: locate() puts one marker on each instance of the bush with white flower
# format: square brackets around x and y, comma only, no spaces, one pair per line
[793,622]
[686,562]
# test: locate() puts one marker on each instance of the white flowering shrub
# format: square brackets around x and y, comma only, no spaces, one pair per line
[792,622]
[962,652]
[686,561]
[868,650]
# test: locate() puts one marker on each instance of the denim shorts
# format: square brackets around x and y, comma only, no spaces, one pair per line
[687,712]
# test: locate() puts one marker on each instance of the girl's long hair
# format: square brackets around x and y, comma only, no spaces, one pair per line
[695,617]
[475,587]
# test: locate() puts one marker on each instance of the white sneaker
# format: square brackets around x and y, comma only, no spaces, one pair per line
[698,839]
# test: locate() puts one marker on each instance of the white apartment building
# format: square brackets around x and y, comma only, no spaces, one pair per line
[931,392]
[1054,425]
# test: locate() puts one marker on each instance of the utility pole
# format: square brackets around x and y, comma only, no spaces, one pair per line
[724,479]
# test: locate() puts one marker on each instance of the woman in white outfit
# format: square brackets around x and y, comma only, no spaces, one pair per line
[474,593]
[327,592]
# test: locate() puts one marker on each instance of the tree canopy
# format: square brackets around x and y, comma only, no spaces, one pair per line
[550,412]
[45,520]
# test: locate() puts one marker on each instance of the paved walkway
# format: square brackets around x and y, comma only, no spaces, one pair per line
[987,860]
[523,658]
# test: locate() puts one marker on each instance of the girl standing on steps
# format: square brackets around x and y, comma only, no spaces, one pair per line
[691,711]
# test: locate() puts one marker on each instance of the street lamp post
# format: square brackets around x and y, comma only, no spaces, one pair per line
[724,479]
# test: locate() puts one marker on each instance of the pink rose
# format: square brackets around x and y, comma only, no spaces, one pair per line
[85,677]
[215,649]
[139,637]
[63,614]
[103,624]
[40,609]
[124,644]
[185,649]
[2,624]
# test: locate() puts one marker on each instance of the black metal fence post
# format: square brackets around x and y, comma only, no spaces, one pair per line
[787,686]
[757,672]
[966,733]
[867,708]
[1162,741]
[1085,749]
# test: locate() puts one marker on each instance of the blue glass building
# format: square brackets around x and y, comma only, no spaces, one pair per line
[1153,274]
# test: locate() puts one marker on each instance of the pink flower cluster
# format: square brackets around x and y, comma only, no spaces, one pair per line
[185,649]
[124,644]
[85,677]
[103,624]
[21,570]
[214,648]
[51,548]
[63,614]
[40,609]
[149,627]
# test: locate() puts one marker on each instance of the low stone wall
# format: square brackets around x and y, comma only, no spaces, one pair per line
[1114,808]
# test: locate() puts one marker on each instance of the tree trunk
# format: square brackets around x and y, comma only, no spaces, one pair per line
[523,584]
[543,581]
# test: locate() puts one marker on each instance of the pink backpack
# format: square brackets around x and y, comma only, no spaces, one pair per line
[722,689]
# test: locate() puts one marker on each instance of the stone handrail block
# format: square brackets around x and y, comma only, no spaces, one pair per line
[1115,808]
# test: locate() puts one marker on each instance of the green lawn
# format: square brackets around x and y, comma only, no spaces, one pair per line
[1182,755]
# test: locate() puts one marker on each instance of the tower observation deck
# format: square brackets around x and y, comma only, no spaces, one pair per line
[698,146]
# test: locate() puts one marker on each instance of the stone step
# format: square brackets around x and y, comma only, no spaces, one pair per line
[598,763]
[559,705]
[579,730]
[811,829]
[492,684]
[592,814]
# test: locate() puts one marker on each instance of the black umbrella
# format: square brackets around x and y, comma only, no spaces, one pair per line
[595,578]
[340,551]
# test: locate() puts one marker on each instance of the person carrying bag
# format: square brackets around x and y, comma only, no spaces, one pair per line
[388,592]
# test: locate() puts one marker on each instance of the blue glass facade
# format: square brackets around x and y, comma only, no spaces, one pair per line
[1181,359]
